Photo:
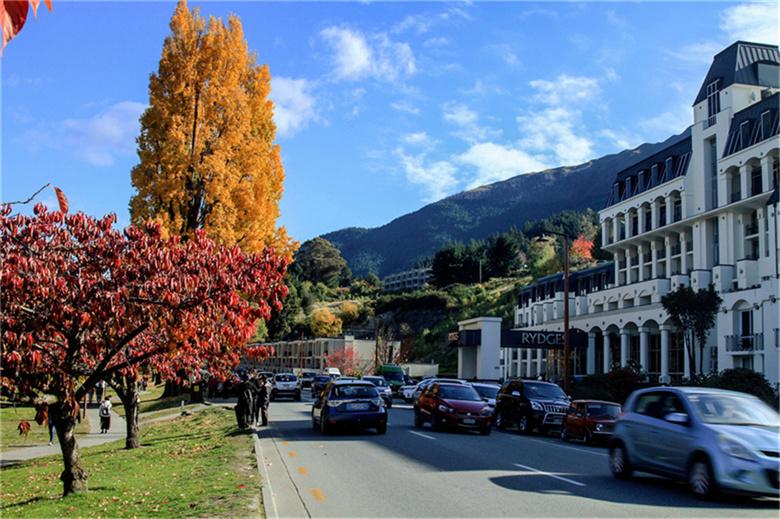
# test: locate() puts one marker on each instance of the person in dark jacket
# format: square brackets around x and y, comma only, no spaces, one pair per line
[244,405]
[265,399]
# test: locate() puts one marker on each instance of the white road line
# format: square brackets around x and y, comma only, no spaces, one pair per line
[423,435]
[567,480]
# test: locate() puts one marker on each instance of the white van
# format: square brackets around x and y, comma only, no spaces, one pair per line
[332,372]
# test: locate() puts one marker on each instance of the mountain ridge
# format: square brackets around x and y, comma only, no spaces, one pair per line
[480,212]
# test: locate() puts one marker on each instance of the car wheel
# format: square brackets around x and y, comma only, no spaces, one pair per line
[522,425]
[618,462]
[324,429]
[389,404]
[381,428]
[313,423]
[700,479]
[484,431]
[587,437]
[564,436]
[435,422]
[500,422]
[418,421]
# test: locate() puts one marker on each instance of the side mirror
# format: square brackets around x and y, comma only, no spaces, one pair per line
[515,393]
[678,418]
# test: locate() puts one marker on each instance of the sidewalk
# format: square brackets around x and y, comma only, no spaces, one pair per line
[118,431]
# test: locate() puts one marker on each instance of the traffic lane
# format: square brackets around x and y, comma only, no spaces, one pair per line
[548,474]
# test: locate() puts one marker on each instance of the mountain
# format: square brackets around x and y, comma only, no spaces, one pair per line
[484,211]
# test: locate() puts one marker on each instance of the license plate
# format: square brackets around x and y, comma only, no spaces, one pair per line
[357,406]
[555,420]
[469,421]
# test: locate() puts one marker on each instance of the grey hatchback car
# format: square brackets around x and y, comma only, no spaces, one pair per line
[716,440]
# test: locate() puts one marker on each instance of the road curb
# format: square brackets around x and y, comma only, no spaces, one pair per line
[281,498]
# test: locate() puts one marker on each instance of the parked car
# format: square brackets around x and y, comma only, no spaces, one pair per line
[590,420]
[487,391]
[393,374]
[716,440]
[332,372]
[383,388]
[407,392]
[307,378]
[530,404]
[320,381]
[286,385]
[352,402]
[428,381]
[452,405]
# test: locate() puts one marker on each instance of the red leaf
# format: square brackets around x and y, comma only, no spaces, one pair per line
[24,428]
[62,200]
[13,14]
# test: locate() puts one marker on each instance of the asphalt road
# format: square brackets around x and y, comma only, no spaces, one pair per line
[411,472]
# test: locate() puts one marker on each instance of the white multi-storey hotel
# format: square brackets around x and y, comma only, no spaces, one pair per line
[702,211]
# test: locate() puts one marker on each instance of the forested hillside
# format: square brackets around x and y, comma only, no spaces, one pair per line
[484,211]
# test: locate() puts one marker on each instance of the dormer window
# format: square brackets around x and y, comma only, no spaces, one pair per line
[713,101]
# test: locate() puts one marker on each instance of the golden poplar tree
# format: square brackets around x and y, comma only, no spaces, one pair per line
[207,153]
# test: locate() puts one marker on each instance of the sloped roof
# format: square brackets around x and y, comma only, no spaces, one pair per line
[734,65]
[763,123]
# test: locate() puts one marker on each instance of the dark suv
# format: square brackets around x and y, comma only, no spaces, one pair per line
[530,405]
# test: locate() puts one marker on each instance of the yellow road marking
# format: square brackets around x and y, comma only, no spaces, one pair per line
[317,493]
[285,443]
[293,455]
[303,471]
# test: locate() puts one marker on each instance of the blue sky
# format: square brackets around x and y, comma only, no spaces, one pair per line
[381,107]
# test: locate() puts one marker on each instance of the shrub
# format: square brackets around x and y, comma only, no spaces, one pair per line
[622,382]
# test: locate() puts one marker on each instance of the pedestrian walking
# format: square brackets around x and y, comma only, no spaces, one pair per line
[244,405]
[105,415]
[51,431]
[265,399]
[99,388]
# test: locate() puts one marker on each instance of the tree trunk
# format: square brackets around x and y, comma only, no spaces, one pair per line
[127,389]
[74,477]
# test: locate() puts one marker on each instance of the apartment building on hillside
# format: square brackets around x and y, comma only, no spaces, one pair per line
[702,211]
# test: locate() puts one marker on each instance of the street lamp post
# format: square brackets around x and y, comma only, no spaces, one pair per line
[566,341]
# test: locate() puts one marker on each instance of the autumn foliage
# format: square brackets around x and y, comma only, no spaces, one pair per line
[346,360]
[13,15]
[324,323]
[84,302]
[581,249]
[207,154]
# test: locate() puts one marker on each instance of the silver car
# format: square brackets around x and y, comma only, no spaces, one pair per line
[715,440]
[383,388]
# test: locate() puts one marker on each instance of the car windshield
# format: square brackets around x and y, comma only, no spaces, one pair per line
[487,391]
[361,391]
[534,390]
[603,410]
[286,378]
[322,379]
[467,393]
[734,410]
[378,381]
[394,375]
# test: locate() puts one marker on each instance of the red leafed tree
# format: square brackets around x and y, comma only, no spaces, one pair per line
[13,14]
[345,359]
[581,249]
[84,302]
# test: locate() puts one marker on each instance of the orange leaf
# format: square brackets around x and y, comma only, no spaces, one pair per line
[62,200]
[24,428]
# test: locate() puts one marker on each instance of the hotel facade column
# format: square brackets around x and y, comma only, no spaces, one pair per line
[607,352]
[540,358]
[625,337]
[665,330]
[644,341]
[590,364]
[529,365]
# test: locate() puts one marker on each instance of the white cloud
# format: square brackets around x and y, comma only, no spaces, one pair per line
[359,56]
[437,179]
[466,119]
[667,123]
[419,139]
[566,89]
[755,22]
[405,106]
[494,162]
[293,105]
[553,133]
[104,137]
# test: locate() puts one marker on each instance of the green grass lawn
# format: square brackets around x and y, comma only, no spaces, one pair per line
[39,435]
[193,466]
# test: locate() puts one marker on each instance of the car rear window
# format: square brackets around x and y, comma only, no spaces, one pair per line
[350,391]
[603,410]
[286,378]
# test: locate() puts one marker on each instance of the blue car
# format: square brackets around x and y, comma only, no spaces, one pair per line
[716,440]
[353,403]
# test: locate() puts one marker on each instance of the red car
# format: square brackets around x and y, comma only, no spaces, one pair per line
[453,405]
[590,420]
